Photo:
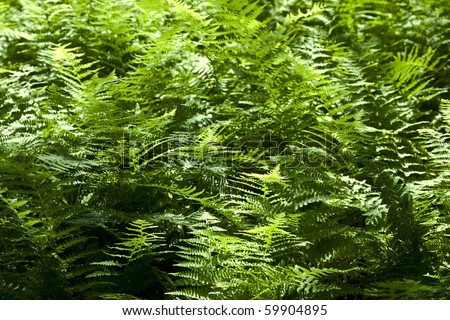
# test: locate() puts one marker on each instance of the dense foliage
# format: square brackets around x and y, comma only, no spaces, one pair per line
[224,149]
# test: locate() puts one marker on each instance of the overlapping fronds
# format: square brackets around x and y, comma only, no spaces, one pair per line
[224,149]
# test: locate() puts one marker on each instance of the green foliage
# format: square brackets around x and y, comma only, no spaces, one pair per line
[226,149]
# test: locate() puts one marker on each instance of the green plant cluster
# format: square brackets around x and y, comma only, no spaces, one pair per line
[224,149]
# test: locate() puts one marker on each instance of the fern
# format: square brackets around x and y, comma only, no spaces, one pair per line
[224,150]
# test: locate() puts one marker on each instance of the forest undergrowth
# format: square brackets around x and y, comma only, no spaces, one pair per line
[224,149]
